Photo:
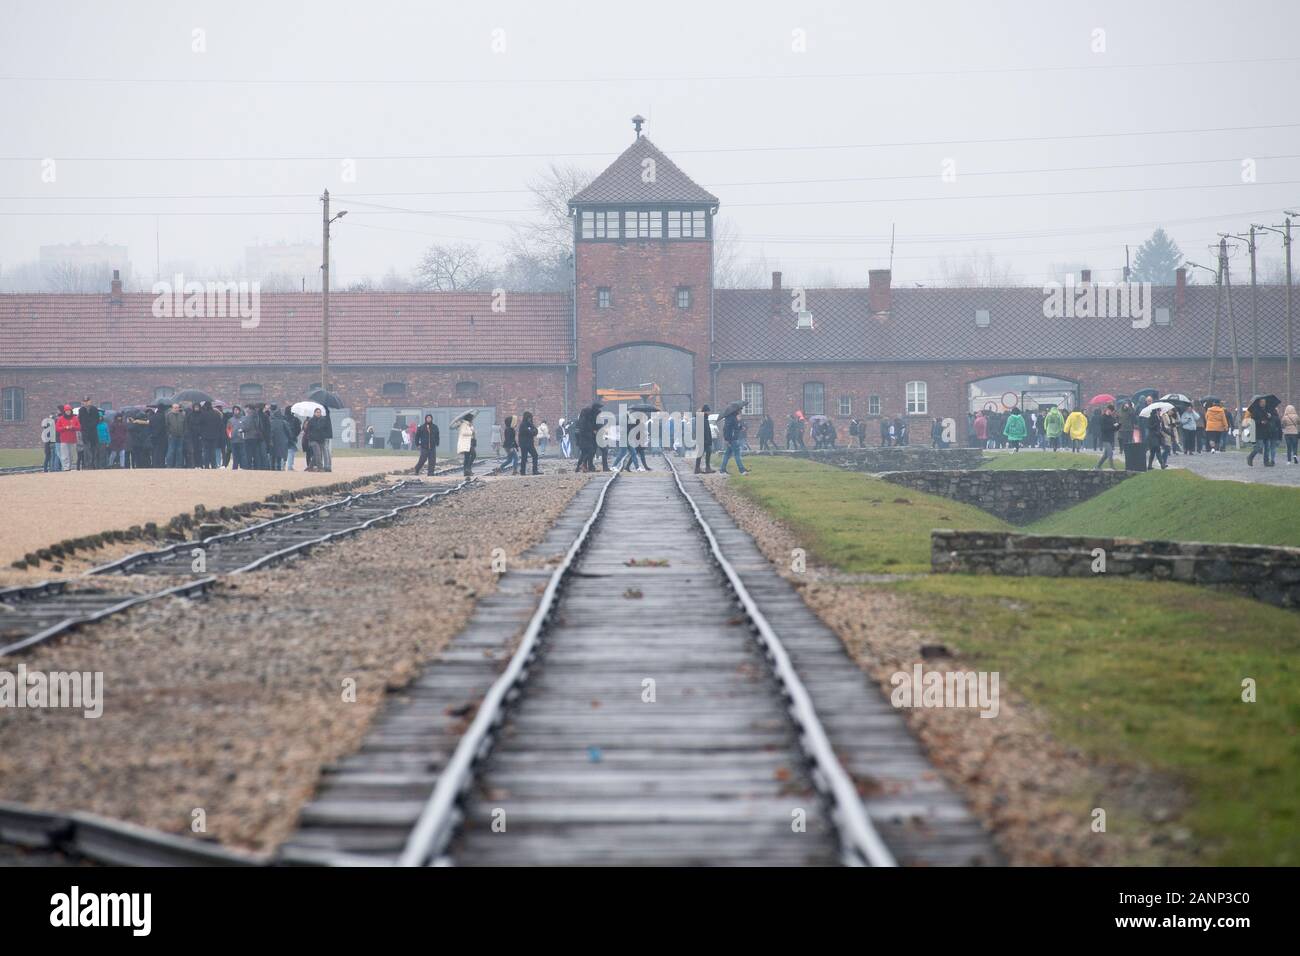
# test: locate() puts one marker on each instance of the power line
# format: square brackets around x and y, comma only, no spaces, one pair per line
[1102,66]
[792,147]
[356,197]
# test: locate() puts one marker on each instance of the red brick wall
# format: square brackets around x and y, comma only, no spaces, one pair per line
[643,277]
[947,385]
[539,389]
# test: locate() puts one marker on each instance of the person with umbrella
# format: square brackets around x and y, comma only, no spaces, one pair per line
[1107,426]
[1159,431]
[466,443]
[731,435]
[427,440]
[318,433]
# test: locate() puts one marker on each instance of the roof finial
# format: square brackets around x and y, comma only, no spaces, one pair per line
[637,121]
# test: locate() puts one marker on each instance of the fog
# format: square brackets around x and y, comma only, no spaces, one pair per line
[188,132]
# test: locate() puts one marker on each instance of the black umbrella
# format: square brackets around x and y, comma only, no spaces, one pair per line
[734,408]
[1269,402]
[190,395]
[1176,398]
[328,399]
[1143,393]
[1211,400]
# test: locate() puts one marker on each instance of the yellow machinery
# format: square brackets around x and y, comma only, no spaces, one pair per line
[646,394]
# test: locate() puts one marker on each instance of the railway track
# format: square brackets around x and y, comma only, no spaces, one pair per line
[650,714]
[20,470]
[33,614]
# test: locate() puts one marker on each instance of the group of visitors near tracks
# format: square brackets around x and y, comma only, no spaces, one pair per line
[257,436]
[1164,426]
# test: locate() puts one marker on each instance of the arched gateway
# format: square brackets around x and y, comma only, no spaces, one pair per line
[642,364]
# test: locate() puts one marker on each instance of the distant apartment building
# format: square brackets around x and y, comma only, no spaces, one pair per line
[285,267]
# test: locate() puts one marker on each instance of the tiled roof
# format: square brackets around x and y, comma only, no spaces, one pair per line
[624,181]
[939,325]
[366,328]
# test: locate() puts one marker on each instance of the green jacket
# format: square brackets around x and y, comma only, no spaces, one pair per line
[1054,423]
[1015,428]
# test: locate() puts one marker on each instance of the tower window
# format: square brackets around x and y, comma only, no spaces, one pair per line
[602,297]
[648,224]
[600,224]
[686,224]
[683,297]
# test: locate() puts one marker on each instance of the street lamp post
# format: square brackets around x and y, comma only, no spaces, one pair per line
[1285,233]
[1218,309]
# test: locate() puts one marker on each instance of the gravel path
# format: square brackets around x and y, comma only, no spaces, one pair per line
[39,509]
[1021,782]
[233,705]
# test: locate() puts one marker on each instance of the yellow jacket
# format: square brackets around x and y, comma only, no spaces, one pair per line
[1216,419]
[1076,426]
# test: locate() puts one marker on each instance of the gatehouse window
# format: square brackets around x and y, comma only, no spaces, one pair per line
[602,297]
[394,389]
[916,399]
[873,404]
[644,224]
[686,224]
[466,389]
[683,297]
[250,392]
[814,398]
[846,405]
[15,405]
[751,393]
[163,393]
[600,224]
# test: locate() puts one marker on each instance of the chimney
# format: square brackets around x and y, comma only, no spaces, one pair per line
[1180,290]
[776,282]
[116,287]
[1085,276]
[778,303]
[878,294]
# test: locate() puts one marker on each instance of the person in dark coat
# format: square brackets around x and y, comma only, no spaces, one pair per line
[706,443]
[511,445]
[766,434]
[527,436]
[318,432]
[427,439]
[585,434]
[139,439]
[88,414]
[281,442]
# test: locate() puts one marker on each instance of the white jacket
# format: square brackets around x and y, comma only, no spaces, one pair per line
[465,438]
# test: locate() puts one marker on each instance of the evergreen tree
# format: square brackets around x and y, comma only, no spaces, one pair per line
[1156,260]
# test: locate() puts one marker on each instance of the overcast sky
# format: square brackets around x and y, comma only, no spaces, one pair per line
[439,123]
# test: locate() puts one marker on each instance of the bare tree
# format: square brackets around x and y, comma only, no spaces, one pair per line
[456,267]
[979,269]
[732,269]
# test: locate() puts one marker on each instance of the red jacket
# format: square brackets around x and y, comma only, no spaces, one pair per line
[67,426]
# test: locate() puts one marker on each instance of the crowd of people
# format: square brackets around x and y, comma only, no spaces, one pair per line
[185,435]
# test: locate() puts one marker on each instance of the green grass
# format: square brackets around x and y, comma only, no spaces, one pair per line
[15,457]
[1180,506]
[1145,674]
[853,521]
[1149,674]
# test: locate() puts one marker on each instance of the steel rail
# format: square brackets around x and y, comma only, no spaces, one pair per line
[441,814]
[859,842]
[203,584]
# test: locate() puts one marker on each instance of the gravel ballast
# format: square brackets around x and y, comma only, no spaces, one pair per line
[227,709]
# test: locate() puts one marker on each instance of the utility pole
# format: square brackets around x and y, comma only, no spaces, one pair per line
[1285,233]
[1254,320]
[1232,328]
[1218,312]
[325,294]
